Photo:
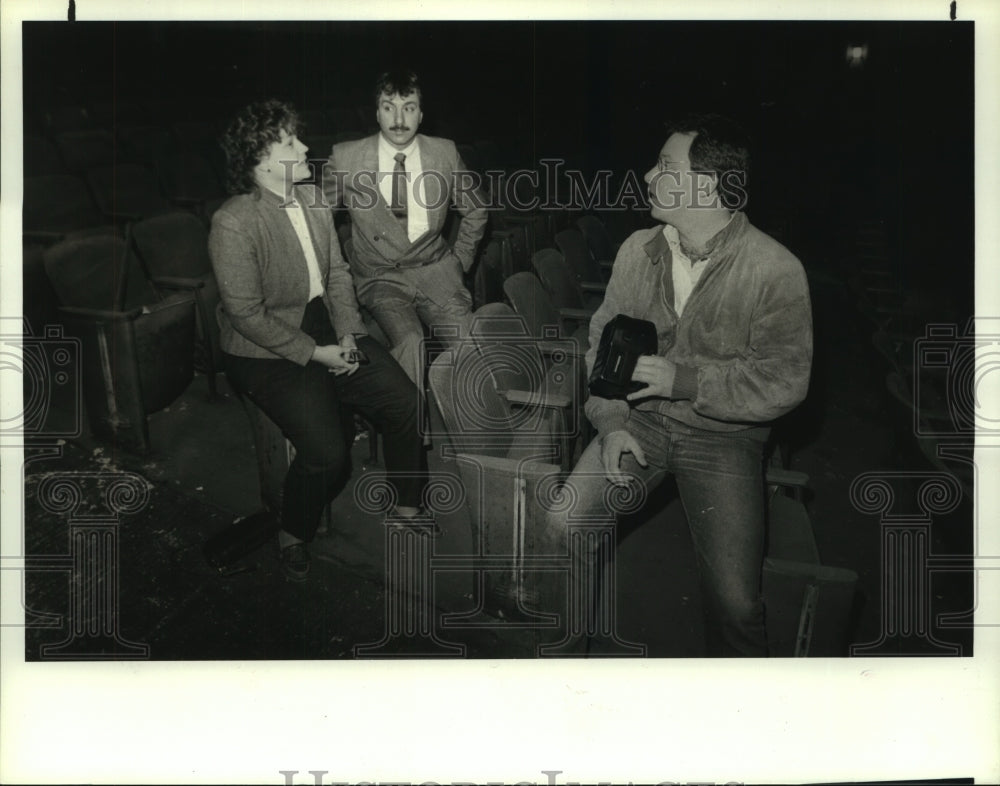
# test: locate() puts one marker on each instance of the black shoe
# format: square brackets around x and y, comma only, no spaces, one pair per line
[295,561]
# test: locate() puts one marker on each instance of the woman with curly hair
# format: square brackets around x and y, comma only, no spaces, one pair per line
[294,341]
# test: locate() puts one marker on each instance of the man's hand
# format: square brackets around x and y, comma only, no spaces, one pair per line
[334,357]
[612,447]
[657,373]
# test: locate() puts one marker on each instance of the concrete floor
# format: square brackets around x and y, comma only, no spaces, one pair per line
[202,473]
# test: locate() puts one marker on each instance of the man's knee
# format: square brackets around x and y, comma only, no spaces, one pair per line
[407,351]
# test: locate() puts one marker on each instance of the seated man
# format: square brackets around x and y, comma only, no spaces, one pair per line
[733,321]
[398,186]
[292,336]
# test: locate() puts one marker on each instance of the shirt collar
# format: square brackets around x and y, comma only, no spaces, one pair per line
[391,151]
[276,199]
[659,243]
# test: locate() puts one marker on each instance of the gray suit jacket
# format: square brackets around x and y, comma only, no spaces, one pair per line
[382,252]
[264,279]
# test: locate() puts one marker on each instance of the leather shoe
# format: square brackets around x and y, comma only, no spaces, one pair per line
[295,561]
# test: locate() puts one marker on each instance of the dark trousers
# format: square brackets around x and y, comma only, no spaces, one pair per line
[312,408]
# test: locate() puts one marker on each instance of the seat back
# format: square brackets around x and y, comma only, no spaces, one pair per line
[596,235]
[96,271]
[489,274]
[514,243]
[562,286]
[476,416]
[576,252]
[173,244]
[530,300]
[544,413]
[809,608]
[511,354]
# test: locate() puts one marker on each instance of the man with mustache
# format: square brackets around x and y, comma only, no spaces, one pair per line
[398,186]
[733,321]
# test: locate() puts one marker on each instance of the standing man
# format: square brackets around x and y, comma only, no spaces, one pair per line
[733,320]
[398,186]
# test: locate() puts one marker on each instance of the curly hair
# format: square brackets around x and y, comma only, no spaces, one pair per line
[720,147]
[401,83]
[248,137]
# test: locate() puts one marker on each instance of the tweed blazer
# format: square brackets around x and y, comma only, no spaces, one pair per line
[382,250]
[263,276]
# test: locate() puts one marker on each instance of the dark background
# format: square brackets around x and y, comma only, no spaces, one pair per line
[892,139]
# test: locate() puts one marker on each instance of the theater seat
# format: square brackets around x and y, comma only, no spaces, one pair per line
[173,248]
[138,349]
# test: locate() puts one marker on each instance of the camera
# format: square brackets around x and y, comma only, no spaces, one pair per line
[52,402]
[623,340]
[951,387]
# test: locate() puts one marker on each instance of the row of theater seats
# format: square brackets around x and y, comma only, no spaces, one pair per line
[142,302]
[932,400]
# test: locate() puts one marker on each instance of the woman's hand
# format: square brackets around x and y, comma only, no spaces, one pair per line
[335,357]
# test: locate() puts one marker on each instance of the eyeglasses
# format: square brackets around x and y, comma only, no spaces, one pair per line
[663,165]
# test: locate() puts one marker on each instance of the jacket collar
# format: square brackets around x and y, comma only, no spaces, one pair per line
[657,246]
[269,197]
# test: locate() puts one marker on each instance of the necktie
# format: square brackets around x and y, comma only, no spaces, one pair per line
[399,187]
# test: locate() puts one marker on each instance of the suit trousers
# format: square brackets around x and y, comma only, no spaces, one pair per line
[312,408]
[434,296]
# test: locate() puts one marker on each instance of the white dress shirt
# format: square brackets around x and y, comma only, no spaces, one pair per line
[685,272]
[294,211]
[416,199]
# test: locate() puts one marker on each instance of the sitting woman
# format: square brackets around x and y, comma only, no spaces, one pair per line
[294,341]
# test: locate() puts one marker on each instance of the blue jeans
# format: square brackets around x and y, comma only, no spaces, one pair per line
[720,480]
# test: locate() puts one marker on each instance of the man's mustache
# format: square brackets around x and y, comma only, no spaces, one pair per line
[399,128]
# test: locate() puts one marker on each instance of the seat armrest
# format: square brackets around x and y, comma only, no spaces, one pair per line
[593,286]
[178,282]
[786,477]
[100,314]
[523,468]
[171,301]
[576,314]
[529,398]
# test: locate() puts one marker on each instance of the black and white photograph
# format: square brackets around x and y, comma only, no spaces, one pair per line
[650,341]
